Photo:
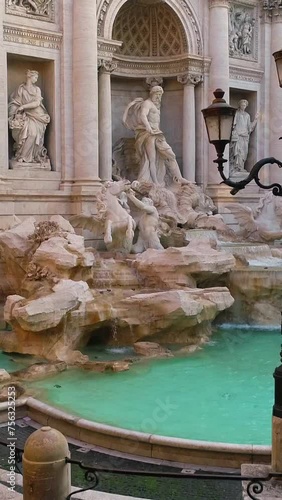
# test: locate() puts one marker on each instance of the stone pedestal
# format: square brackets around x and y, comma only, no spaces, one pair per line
[14,165]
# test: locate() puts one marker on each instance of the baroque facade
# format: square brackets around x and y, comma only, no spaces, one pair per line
[93,58]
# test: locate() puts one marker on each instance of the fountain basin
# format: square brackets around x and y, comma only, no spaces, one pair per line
[212,407]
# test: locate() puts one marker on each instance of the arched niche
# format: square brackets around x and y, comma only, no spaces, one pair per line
[109,9]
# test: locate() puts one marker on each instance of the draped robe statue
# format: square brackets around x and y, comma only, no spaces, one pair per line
[28,120]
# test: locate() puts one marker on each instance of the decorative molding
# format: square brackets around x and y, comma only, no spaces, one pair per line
[107,66]
[43,10]
[157,67]
[245,74]
[190,79]
[219,3]
[101,17]
[194,26]
[33,37]
[107,48]
[243,30]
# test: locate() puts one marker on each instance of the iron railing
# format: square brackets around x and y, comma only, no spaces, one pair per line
[255,485]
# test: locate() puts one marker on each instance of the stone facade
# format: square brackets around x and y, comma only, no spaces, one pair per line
[190,47]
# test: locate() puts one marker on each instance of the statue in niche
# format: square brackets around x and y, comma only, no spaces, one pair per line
[241,32]
[157,160]
[148,224]
[242,129]
[28,119]
[111,218]
[262,223]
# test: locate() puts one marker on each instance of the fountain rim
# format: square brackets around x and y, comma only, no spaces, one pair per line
[137,443]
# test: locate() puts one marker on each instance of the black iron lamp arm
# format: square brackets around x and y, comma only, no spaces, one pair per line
[253,175]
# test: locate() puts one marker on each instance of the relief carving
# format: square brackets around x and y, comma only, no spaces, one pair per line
[241,32]
[38,9]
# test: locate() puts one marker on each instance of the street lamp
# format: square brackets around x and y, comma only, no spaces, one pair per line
[219,120]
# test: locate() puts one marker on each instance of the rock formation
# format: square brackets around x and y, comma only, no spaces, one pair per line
[66,295]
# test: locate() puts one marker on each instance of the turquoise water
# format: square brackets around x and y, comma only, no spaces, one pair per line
[222,393]
[12,362]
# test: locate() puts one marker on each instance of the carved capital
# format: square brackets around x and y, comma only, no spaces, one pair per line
[272,10]
[106,66]
[190,79]
[219,3]
[152,81]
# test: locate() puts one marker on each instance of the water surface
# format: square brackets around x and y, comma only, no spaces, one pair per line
[223,392]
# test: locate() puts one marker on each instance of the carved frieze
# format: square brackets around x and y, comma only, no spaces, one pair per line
[44,10]
[243,31]
[245,74]
[32,37]
[167,68]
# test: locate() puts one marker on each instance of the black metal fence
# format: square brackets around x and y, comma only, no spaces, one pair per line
[254,486]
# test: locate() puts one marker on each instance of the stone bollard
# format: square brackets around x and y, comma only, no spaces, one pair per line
[46,476]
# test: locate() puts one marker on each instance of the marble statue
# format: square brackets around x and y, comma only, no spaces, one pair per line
[242,129]
[148,224]
[262,223]
[110,218]
[28,120]
[241,32]
[156,156]
[184,204]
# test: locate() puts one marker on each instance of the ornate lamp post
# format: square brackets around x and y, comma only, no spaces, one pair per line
[219,119]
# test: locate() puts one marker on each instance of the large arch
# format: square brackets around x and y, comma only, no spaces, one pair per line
[108,10]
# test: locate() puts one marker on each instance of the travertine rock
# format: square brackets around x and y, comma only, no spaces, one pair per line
[4,375]
[152,350]
[39,370]
[46,312]
[178,267]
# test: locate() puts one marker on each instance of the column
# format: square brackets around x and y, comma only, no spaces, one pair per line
[189,82]
[219,46]
[85,94]
[105,119]
[219,69]
[67,97]
[4,160]
[275,122]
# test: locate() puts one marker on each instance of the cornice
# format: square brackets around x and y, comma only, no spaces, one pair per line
[219,3]
[107,48]
[154,67]
[29,36]
[245,74]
